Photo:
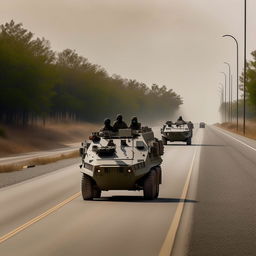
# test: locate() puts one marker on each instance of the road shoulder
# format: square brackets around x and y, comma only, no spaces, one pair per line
[11,178]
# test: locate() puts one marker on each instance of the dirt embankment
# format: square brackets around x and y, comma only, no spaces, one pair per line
[250,128]
[15,140]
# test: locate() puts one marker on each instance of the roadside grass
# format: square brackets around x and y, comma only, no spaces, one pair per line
[18,140]
[37,161]
[250,128]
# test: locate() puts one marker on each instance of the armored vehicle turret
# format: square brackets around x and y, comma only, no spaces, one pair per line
[124,160]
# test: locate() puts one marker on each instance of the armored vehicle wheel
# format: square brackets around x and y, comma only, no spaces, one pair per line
[164,140]
[189,141]
[87,187]
[159,178]
[157,187]
[96,192]
[149,187]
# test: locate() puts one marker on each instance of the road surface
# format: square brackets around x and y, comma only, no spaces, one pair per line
[32,155]
[206,206]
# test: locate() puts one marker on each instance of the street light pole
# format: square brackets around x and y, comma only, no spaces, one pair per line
[229,70]
[225,96]
[221,87]
[245,62]
[237,82]
[231,96]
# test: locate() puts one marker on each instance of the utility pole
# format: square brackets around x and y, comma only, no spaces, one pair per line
[245,63]
[237,82]
[225,96]
[229,90]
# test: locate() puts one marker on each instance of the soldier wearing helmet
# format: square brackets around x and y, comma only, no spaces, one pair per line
[135,125]
[119,123]
[180,121]
[107,125]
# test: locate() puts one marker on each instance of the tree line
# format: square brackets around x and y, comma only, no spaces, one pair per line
[37,83]
[250,93]
[251,82]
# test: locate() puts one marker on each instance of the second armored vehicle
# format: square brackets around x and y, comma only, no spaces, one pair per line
[125,160]
[202,125]
[177,132]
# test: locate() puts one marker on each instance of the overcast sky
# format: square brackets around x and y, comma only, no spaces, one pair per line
[176,43]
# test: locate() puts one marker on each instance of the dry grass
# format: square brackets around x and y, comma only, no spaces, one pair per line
[37,161]
[250,128]
[52,136]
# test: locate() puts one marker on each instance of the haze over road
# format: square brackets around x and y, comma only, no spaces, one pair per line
[218,217]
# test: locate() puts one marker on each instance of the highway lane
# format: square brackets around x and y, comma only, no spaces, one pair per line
[120,223]
[224,220]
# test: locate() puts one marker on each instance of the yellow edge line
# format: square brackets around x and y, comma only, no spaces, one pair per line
[168,244]
[39,217]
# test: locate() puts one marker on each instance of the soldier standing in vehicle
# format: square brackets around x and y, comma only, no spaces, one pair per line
[119,123]
[107,126]
[180,121]
[135,125]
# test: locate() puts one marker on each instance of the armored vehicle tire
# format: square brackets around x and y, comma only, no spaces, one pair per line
[157,186]
[89,188]
[159,178]
[164,140]
[96,192]
[149,187]
[189,141]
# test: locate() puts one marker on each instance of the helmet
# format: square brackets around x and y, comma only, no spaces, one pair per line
[107,121]
[119,118]
[135,119]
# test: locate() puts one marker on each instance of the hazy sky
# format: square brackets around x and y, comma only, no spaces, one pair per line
[176,43]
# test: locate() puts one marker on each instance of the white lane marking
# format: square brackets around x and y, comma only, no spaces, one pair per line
[243,143]
[168,244]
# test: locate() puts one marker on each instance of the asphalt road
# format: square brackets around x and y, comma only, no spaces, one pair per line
[32,155]
[206,207]
[224,222]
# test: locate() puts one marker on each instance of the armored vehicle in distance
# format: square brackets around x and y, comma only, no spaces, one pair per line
[177,132]
[125,160]
[202,125]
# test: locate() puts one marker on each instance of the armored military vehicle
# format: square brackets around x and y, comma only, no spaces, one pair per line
[177,132]
[202,125]
[125,160]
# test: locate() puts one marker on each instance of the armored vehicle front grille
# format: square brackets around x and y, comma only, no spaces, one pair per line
[99,171]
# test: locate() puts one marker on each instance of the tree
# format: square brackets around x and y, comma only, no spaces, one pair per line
[37,82]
